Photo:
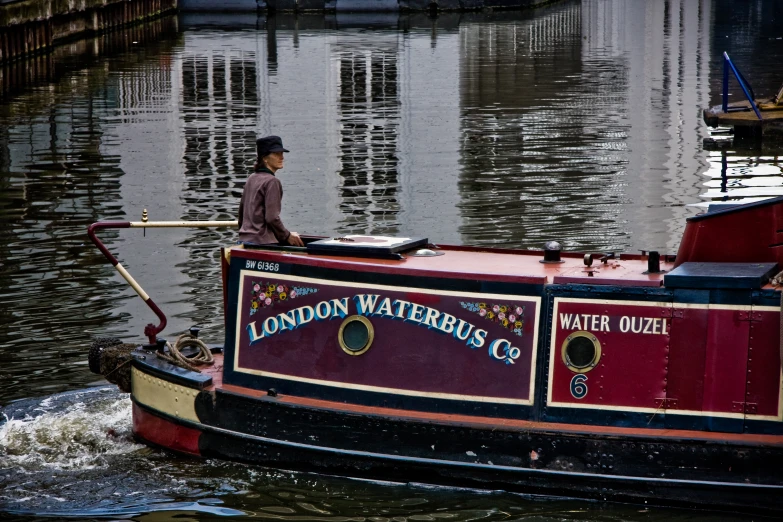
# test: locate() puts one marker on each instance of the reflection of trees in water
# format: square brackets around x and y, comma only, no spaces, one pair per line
[369,112]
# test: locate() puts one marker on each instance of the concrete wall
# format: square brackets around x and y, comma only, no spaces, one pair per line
[29,27]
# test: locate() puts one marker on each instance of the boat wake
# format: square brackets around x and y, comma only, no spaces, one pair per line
[73,455]
[72,431]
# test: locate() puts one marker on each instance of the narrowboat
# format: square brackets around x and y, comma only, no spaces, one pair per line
[644,378]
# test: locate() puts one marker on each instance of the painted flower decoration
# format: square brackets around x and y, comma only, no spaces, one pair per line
[264,294]
[505,315]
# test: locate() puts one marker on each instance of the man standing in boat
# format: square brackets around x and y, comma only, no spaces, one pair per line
[259,208]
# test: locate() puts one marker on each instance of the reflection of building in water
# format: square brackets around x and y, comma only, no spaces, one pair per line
[516,116]
[141,89]
[734,178]
[662,49]
[567,124]
[368,112]
[219,101]
[345,104]
[55,179]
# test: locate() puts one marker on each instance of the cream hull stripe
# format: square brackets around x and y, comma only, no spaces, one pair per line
[166,397]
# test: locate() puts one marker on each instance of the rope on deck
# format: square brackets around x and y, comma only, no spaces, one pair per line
[174,356]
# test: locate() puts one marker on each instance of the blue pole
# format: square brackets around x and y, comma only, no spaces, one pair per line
[725,83]
[738,76]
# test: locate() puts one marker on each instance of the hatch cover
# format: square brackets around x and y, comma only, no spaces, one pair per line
[720,275]
[364,245]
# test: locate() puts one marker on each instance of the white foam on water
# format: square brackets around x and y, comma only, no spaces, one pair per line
[79,435]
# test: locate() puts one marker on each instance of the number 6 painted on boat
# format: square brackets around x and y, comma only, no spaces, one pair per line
[579,386]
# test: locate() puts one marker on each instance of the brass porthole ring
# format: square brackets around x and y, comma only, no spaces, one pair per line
[356,335]
[581,351]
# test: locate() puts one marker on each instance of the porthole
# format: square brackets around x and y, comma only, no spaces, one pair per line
[356,335]
[581,352]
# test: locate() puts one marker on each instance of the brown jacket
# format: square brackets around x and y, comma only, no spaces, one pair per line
[259,210]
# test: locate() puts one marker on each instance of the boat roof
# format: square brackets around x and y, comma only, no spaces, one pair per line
[738,247]
[486,264]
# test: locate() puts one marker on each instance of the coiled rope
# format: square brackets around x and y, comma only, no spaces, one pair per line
[202,358]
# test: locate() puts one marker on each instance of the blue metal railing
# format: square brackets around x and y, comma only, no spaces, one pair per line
[743,83]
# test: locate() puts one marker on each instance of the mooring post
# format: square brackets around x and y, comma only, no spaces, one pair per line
[725,83]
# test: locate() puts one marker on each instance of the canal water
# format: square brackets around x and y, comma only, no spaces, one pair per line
[580,122]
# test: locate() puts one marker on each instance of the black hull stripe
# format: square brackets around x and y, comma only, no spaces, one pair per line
[464,465]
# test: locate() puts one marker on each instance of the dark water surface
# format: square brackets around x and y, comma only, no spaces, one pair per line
[580,122]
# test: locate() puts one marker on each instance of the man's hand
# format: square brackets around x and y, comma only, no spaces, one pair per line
[295,240]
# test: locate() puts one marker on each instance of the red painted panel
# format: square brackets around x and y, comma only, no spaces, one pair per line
[634,343]
[751,233]
[687,359]
[165,433]
[424,342]
[726,362]
[763,389]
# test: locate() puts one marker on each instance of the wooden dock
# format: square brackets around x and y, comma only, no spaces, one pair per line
[745,121]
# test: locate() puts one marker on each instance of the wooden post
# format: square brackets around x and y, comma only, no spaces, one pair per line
[48,34]
[12,42]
